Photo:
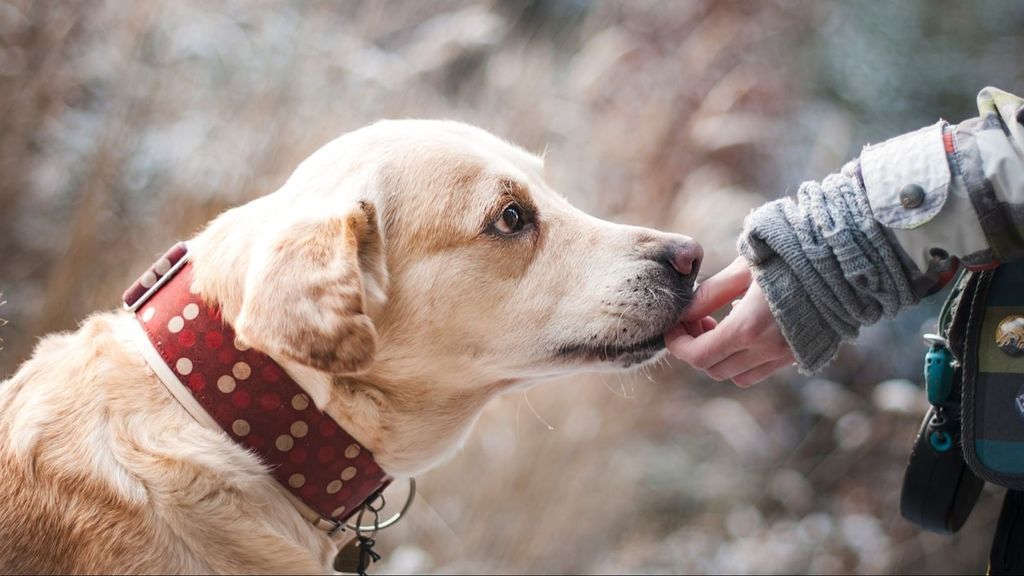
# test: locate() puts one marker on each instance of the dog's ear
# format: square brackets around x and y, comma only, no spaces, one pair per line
[305,294]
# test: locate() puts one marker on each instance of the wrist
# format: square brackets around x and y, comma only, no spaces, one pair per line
[813,342]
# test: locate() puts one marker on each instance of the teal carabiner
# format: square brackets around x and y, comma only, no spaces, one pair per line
[938,370]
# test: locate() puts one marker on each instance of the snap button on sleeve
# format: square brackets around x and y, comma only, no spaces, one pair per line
[911,196]
[907,178]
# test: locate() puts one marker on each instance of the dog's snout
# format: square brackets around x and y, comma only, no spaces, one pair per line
[684,254]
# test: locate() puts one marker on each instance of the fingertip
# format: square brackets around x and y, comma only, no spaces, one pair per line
[718,290]
[740,266]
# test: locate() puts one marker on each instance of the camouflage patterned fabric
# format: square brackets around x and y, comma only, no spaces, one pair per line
[973,182]
[990,153]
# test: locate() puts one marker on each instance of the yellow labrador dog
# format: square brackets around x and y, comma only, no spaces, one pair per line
[403,276]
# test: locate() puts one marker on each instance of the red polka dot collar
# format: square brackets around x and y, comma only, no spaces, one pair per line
[249,396]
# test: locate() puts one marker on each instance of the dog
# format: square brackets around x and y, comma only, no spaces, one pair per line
[404,275]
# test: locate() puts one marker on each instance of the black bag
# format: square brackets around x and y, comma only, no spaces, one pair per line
[983,321]
[939,488]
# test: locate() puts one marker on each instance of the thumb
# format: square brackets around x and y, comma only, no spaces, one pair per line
[719,290]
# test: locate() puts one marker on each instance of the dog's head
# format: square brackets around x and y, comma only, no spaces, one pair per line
[414,252]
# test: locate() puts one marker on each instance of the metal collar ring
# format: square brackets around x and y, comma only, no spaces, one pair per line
[358,528]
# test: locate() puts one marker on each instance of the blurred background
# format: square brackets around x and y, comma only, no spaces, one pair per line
[127,125]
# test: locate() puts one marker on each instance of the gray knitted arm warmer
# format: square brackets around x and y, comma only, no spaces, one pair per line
[825,266]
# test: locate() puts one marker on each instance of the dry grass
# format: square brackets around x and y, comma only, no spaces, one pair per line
[127,125]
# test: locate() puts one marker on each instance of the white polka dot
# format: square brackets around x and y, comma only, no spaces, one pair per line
[184,366]
[176,324]
[193,288]
[338,511]
[148,279]
[226,384]
[300,402]
[352,451]
[148,314]
[348,473]
[296,480]
[240,346]
[299,429]
[240,427]
[241,370]
[162,266]
[191,311]
[284,442]
[334,487]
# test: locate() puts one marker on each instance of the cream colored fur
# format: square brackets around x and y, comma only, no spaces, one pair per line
[375,277]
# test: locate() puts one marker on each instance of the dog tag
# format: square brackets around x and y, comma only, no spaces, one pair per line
[356,556]
[347,559]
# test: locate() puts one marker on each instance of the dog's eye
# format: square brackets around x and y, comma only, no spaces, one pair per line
[511,220]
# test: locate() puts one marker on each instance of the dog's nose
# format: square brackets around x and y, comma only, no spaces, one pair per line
[684,254]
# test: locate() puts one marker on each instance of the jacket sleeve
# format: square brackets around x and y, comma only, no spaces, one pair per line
[891,227]
[948,194]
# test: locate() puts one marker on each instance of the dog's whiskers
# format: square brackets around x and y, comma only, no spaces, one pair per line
[519,406]
[646,370]
[622,388]
[616,338]
[535,413]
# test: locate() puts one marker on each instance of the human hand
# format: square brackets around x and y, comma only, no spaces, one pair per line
[747,346]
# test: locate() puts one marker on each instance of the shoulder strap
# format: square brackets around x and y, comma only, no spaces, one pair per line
[1007,556]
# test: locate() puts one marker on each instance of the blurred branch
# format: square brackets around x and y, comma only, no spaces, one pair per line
[3,322]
